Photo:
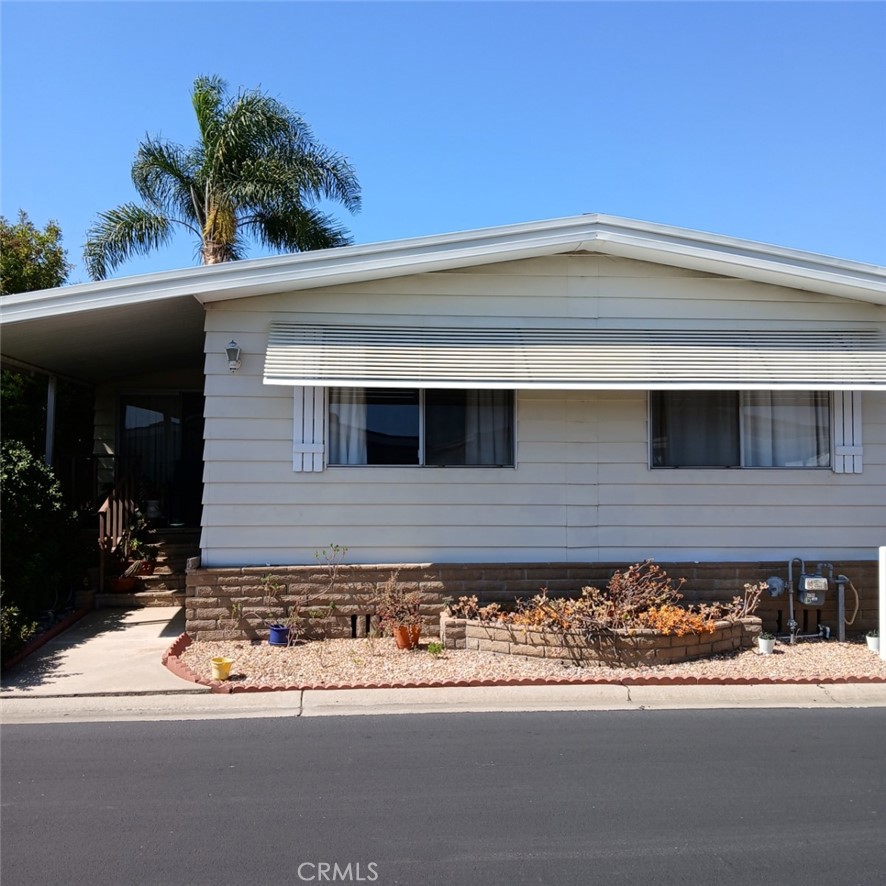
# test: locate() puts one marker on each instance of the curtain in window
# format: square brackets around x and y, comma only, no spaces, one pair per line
[786,429]
[488,428]
[347,426]
[696,429]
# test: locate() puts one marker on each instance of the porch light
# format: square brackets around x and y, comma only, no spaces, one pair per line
[233,354]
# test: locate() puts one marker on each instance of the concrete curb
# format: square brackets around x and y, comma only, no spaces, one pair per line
[636,701]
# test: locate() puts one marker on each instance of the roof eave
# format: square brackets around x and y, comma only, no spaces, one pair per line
[608,235]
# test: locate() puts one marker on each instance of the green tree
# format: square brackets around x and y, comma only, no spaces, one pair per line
[40,546]
[256,171]
[31,259]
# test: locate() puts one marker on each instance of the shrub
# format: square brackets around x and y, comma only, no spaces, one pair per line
[670,619]
[395,606]
[15,630]
[469,607]
[38,531]
[641,597]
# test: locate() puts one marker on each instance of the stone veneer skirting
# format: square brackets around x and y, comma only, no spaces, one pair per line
[212,593]
[613,648]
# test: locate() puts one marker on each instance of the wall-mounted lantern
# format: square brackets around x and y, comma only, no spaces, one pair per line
[233,354]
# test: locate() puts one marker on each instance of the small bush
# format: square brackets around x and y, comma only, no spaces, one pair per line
[395,606]
[469,607]
[640,597]
[38,531]
[15,630]
[670,619]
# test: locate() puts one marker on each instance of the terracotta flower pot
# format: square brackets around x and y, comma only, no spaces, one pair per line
[406,636]
[121,585]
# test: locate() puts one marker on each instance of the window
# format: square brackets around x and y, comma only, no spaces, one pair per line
[400,426]
[748,429]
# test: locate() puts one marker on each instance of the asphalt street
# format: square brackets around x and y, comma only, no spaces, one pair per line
[597,797]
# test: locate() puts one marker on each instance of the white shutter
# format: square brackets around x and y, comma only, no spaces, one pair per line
[308,429]
[847,432]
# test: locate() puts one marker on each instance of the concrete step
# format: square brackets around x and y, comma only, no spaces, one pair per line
[140,599]
[166,586]
[159,581]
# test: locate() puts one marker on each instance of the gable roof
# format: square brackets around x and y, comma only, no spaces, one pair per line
[112,303]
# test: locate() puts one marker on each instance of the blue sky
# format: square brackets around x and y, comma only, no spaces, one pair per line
[757,120]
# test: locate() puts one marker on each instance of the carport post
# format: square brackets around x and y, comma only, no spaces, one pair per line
[50,420]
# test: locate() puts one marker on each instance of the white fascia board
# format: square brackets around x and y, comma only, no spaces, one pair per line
[282,273]
[791,269]
[603,234]
[84,297]
[672,246]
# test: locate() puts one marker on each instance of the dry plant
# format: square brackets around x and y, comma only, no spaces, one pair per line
[469,607]
[746,605]
[395,606]
[331,559]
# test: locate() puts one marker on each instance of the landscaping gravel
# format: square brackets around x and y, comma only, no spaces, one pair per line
[373,662]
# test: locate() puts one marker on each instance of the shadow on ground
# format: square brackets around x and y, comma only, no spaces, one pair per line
[52,661]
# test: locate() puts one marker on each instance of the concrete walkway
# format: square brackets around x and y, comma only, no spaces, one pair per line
[107,668]
[109,652]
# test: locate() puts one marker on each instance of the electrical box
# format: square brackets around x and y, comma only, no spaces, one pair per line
[812,589]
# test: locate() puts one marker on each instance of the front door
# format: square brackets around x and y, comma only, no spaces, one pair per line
[161,438]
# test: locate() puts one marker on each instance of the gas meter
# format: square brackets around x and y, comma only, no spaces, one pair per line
[811,589]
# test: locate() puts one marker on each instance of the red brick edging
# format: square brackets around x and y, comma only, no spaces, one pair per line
[174,663]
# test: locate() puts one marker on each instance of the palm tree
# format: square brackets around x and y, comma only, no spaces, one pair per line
[256,171]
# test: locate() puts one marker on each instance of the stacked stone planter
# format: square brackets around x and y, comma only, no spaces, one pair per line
[233,604]
[211,592]
[614,649]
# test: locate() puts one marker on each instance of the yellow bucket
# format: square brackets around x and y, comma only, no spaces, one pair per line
[221,668]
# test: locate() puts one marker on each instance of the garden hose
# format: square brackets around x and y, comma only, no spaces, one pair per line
[849,621]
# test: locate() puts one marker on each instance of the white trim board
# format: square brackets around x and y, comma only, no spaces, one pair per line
[603,234]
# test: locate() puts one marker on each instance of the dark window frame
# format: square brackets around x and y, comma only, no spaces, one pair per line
[422,441]
[739,447]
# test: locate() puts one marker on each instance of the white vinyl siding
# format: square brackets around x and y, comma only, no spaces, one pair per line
[582,488]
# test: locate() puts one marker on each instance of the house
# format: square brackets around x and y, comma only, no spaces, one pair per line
[494,410]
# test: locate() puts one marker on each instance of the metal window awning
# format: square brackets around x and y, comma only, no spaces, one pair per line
[577,359]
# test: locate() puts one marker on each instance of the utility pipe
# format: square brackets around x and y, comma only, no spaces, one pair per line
[882,626]
[51,384]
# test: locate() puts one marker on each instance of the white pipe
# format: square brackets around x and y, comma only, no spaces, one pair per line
[50,419]
[882,625]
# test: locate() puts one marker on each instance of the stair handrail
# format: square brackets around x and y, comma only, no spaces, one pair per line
[114,519]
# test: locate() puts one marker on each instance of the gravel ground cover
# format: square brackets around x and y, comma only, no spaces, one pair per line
[374,662]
